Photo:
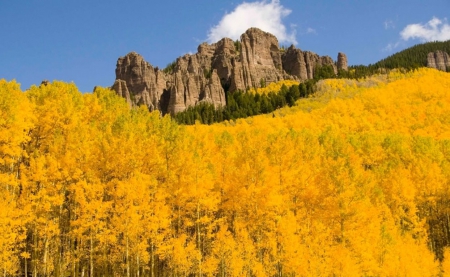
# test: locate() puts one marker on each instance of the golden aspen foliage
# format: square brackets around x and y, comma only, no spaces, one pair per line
[273,87]
[351,181]
[446,263]
[15,124]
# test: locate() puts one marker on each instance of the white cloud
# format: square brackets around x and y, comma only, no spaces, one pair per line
[389,24]
[435,29]
[264,15]
[311,31]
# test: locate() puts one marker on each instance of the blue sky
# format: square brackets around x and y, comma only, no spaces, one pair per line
[81,40]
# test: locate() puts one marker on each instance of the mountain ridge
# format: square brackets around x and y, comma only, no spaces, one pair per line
[206,76]
[414,56]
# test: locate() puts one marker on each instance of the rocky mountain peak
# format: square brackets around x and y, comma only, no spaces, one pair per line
[260,48]
[205,76]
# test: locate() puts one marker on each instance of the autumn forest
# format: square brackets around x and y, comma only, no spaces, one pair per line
[352,180]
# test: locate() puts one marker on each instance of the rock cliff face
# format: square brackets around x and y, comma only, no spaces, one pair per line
[139,82]
[439,60]
[215,68]
[260,60]
[191,81]
[342,63]
[303,64]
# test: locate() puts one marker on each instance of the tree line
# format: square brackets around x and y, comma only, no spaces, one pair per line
[240,104]
[409,59]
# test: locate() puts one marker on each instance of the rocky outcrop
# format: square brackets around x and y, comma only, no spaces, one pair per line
[224,59]
[205,76]
[120,87]
[439,60]
[294,63]
[342,62]
[191,81]
[302,65]
[139,82]
[260,59]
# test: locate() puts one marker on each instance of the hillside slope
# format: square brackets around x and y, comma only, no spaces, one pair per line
[353,181]
[420,55]
[413,57]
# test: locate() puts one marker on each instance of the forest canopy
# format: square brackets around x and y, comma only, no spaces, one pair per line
[411,58]
[351,181]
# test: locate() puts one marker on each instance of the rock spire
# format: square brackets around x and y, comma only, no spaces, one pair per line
[205,76]
[439,60]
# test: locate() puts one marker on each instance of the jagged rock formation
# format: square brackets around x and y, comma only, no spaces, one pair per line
[342,62]
[439,60]
[139,82]
[223,66]
[302,65]
[259,60]
[191,82]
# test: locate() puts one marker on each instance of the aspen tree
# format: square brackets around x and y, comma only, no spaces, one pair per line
[15,123]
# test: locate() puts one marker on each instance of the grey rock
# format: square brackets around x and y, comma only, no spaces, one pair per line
[302,65]
[342,63]
[439,60]
[205,76]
